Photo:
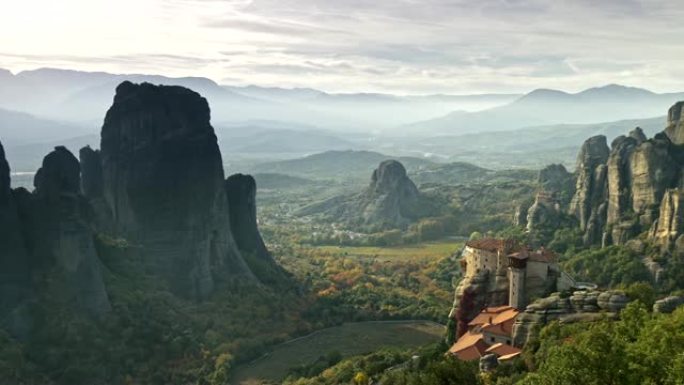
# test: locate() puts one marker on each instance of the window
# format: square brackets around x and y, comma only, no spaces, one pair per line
[508,342]
[491,339]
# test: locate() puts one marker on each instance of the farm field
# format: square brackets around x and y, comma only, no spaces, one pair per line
[347,339]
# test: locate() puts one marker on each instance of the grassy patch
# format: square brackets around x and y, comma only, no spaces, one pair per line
[348,339]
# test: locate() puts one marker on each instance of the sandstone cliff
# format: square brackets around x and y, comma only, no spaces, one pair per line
[588,203]
[619,193]
[675,124]
[163,182]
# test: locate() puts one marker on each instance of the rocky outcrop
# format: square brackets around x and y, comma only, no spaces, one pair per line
[668,304]
[241,192]
[544,213]
[654,170]
[619,177]
[619,196]
[14,258]
[61,230]
[556,180]
[91,172]
[675,124]
[590,191]
[391,199]
[638,135]
[92,186]
[520,214]
[555,187]
[670,223]
[163,182]
[581,306]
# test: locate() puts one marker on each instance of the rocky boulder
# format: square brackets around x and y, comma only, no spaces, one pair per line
[164,184]
[581,306]
[668,304]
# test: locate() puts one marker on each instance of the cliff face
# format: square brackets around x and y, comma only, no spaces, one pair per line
[619,196]
[556,187]
[14,258]
[163,181]
[675,124]
[668,229]
[590,190]
[241,192]
[62,231]
[49,230]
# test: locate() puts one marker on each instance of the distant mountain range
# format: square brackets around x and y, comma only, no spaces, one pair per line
[549,107]
[78,96]
[46,107]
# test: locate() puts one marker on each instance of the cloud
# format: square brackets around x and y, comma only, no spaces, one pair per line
[360,45]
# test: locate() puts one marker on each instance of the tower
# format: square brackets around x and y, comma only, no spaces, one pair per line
[517,271]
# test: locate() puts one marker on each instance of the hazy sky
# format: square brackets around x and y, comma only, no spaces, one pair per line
[411,46]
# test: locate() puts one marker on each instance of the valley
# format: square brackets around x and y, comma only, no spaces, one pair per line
[162,254]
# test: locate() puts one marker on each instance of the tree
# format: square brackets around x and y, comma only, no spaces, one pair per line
[361,378]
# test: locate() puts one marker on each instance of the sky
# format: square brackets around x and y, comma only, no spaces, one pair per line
[395,46]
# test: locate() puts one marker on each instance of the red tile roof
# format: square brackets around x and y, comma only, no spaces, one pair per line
[494,315]
[470,346]
[502,349]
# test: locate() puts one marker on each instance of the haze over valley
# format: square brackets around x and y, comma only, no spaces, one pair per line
[311,192]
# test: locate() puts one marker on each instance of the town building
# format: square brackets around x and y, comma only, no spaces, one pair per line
[490,332]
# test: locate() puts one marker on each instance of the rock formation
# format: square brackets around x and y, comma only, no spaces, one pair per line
[555,187]
[670,223]
[619,195]
[163,181]
[241,192]
[556,180]
[581,306]
[675,124]
[391,199]
[93,188]
[668,304]
[544,213]
[590,191]
[14,258]
[61,231]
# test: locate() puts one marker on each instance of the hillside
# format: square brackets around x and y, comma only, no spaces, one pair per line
[337,165]
[549,107]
